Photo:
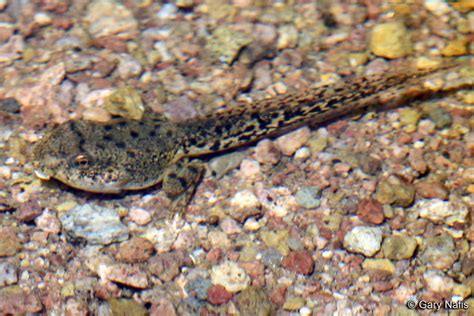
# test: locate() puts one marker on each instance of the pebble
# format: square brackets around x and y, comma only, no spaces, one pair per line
[396,192]
[439,252]
[96,114]
[416,160]
[230,226]
[219,239]
[294,303]
[48,222]
[390,40]
[225,44]
[364,240]
[9,243]
[432,190]
[303,154]
[384,265]
[287,36]
[135,250]
[167,265]
[15,301]
[231,276]
[223,164]
[267,153]
[128,67]
[451,213]
[291,142]
[129,275]
[318,142]
[217,295]
[244,204]
[299,262]
[10,105]
[199,286]
[277,240]
[399,247]
[249,168]
[254,301]
[456,47]
[8,274]
[125,102]
[96,224]
[139,216]
[436,281]
[126,307]
[308,197]
[110,18]
[370,211]
[368,164]
[409,116]
[440,117]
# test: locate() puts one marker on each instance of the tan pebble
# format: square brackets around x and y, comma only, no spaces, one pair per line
[140,216]
[303,153]
[249,168]
[291,142]
[267,153]
[5,172]
[456,47]
[97,115]
[390,40]
[342,168]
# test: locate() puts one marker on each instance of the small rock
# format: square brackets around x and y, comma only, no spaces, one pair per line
[163,308]
[383,265]
[139,216]
[303,153]
[218,239]
[439,252]
[456,47]
[223,164]
[278,295]
[437,282]
[125,102]
[299,261]
[318,142]
[244,204]
[48,222]
[291,142]
[409,116]
[166,265]
[249,168]
[368,164]
[96,224]
[451,213]
[97,115]
[8,274]
[14,301]
[397,247]
[390,40]
[395,192]
[278,240]
[308,197]
[364,240]
[432,190]
[370,211]
[294,303]
[129,275]
[122,307]
[440,117]
[199,286]
[225,44]
[9,105]
[10,245]
[254,301]
[110,18]
[417,162]
[217,295]
[180,109]
[267,153]
[230,226]
[231,276]
[128,67]
[135,250]
[287,36]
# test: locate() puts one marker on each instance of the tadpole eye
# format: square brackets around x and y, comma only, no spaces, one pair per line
[81,160]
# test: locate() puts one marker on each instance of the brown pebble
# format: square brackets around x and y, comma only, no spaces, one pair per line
[368,164]
[299,262]
[267,153]
[214,255]
[217,295]
[417,162]
[370,211]
[163,308]
[166,265]
[278,295]
[432,190]
[135,250]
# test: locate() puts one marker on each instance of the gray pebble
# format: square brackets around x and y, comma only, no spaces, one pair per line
[440,117]
[308,197]
[225,163]
[8,274]
[96,224]
[271,258]
[199,286]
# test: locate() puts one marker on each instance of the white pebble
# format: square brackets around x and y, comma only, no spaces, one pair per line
[363,239]
[140,216]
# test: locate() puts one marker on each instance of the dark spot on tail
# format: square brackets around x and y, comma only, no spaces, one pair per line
[120,145]
[134,134]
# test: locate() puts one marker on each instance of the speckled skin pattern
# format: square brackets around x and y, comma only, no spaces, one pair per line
[131,155]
